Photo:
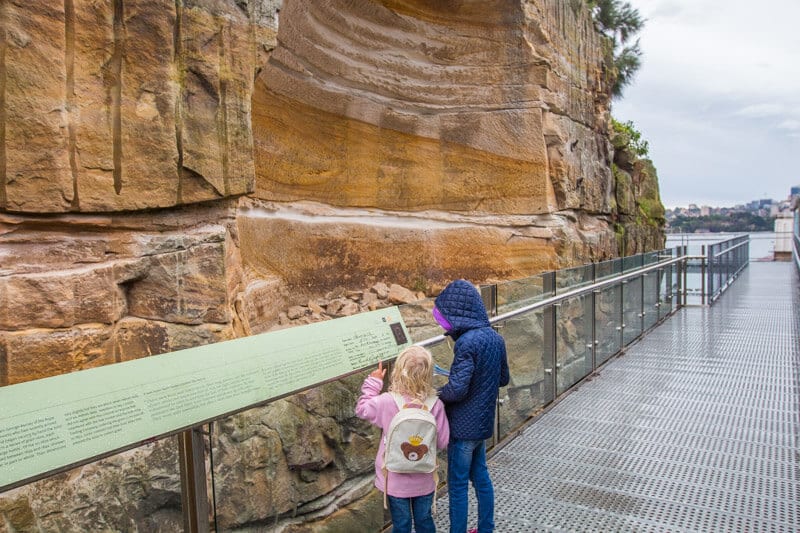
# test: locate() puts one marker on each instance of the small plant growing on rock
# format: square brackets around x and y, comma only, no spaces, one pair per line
[635,142]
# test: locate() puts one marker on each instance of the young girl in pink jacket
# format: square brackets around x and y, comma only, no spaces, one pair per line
[410,495]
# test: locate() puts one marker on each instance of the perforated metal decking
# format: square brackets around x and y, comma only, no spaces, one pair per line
[696,428]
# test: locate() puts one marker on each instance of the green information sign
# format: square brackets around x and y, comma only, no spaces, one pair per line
[52,423]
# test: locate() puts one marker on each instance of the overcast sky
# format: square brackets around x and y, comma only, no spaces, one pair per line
[718,98]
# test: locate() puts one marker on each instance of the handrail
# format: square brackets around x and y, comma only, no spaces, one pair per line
[571,294]
[726,250]
[796,250]
[725,265]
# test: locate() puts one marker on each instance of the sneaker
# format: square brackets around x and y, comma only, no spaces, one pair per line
[473,530]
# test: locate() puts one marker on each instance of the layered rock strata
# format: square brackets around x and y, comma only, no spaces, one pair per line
[484,124]
[355,247]
[79,292]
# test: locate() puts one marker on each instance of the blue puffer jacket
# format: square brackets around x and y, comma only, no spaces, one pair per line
[479,366]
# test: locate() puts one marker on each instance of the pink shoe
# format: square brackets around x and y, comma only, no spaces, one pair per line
[473,530]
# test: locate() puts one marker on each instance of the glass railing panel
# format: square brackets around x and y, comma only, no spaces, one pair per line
[796,241]
[651,284]
[513,295]
[272,466]
[608,269]
[443,357]
[727,268]
[665,279]
[665,294]
[632,305]
[608,312]
[649,258]
[694,281]
[676,282]
[531,364]
[421,325]
[418,317]
[712,268]
[136,490]
[632,262]
[573,341]
[568,279]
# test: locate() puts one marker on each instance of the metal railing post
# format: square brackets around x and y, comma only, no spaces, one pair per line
[703,275]
[685,267]
[642,291]
[489,297]
[194,496]
[593,342]
[679,286]
[621,328]
[549,333]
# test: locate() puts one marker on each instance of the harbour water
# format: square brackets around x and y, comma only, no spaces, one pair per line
[762,243]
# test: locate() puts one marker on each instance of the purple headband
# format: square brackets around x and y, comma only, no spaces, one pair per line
[441,319]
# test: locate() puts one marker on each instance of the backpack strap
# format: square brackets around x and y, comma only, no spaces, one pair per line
[385,488]
[435,486]
[401,401]
[431,401]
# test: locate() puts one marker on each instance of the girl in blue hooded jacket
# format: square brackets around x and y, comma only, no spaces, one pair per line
[479,369]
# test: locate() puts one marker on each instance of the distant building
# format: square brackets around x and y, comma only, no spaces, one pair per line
[783,237]
[765,207]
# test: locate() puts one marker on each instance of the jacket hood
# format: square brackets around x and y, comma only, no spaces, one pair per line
[461,304]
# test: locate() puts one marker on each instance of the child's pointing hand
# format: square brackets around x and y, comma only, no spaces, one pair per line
[379,372]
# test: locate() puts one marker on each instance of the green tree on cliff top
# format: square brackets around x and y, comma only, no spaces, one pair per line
[620,22]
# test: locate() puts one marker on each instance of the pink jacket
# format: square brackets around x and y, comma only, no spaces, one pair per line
[379,409]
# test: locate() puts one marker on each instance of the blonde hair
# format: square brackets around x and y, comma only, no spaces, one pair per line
[412,374]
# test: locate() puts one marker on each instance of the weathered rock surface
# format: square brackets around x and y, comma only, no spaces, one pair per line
[111,106]
[406,115]
[639,213]
[356,247]
[77,293]
[138,490]
[409,105]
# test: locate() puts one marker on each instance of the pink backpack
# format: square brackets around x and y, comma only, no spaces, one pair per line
[410,441]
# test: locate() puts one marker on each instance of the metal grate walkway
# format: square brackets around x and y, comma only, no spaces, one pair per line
[696,428]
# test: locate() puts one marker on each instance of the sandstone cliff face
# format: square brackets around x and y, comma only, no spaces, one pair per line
[113,105]
[639,213]
[176,173]
[475,132]
[79,292]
